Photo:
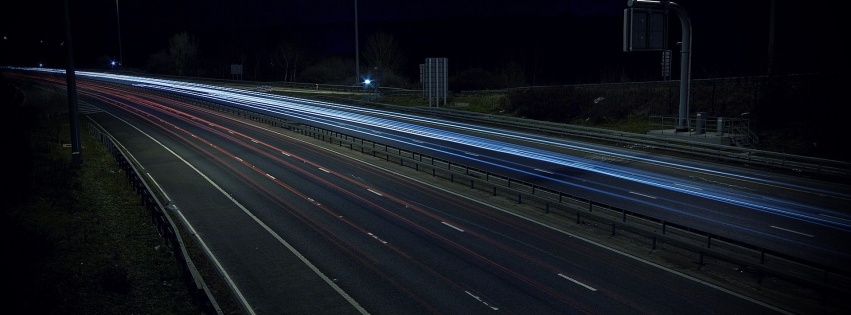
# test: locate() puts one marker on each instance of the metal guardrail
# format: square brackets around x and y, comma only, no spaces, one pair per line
[165,225]
[728,153]
[703,243]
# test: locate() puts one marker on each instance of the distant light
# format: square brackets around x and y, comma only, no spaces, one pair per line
[367,81]
[112,62]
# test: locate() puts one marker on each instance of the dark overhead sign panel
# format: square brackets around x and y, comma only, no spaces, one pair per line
[645,29]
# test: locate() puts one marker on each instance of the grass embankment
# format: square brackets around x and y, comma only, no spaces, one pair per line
[77,238]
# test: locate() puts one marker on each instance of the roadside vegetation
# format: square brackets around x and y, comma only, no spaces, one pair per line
[78,240]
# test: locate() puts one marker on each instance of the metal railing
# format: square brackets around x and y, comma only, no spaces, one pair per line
[727,153]
[161,219]
[704,244]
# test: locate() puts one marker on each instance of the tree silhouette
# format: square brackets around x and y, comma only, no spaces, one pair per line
[383,52]
[288,56]
[183,49]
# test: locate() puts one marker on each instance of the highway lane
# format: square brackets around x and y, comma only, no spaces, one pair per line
[814,225]
[807,221]
[445,252]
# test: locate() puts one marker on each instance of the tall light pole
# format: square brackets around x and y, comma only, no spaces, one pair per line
[71,79]
[120,53]
[357,49]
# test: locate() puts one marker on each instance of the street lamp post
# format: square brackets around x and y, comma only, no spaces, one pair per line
[71,79]
[120,53]
[357,49]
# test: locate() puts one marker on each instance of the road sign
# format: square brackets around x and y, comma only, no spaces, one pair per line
[666,64]
[435,73]
[645,29]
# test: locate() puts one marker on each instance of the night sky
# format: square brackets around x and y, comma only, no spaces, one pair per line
[572,40]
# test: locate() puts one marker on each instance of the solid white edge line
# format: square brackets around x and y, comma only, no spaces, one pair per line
[259,222]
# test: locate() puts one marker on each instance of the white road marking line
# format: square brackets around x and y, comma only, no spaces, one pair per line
[788,230]
[833,217]
[543,171]
[480,300]
[377,238]
[374,192]
[324,170]
[285,153]
[452,226]
[643,195]
[470,153]
[687,186]
[577,282]
[270,176]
